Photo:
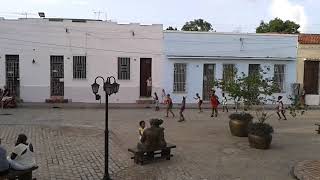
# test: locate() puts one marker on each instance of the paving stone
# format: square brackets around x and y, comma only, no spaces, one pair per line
[69,144]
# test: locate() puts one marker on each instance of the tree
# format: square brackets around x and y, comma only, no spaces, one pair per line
[278,26]
[197,25]
[170,28]
[231,85]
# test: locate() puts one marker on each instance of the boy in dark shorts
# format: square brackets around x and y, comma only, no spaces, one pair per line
[169,105]
[183,107]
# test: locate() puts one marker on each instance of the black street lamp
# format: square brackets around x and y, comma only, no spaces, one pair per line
[108,89]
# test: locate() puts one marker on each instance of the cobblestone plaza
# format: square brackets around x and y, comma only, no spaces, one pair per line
[69,144]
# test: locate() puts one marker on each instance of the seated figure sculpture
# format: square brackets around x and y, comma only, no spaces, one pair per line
[153,137]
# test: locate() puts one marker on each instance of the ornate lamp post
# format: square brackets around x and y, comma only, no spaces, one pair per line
[108,89]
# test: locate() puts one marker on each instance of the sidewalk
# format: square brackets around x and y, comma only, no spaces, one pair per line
[307,170]
[75,105]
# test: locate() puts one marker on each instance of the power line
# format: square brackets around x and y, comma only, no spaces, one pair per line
[81,47]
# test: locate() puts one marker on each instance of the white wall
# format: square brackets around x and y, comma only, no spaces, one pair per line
[102,42]
[179,43]
[195,55]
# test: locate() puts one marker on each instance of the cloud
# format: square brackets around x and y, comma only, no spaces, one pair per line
[287,10]
[80,2]
[44,1]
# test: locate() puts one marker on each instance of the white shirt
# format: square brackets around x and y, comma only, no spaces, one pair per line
[149,82]
[25,159]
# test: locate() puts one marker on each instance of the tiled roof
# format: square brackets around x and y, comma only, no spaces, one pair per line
[309,38]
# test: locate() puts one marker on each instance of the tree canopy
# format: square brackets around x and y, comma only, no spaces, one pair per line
[197,25]
[170,28]
[278,26]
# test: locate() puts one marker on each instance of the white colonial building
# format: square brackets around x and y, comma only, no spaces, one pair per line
[195,59]
[43,59]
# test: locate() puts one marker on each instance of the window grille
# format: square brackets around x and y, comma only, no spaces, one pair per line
[279,76]
[180,76]
[228,72]
[254,68]
[79,67]
[124,68]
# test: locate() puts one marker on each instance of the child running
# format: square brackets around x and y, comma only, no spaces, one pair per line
[169,105]
[224,103]
[198,98]
[156,100]
[214,104]
[183,107]
[280,108]
[142,125]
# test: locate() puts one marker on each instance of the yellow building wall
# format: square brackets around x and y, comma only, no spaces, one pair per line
[306,51]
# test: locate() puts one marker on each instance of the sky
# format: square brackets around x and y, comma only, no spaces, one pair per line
[224,15]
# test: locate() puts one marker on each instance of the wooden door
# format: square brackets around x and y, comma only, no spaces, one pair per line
[311,77]
[57,76]
[145,73]
[208,79]
[12,75]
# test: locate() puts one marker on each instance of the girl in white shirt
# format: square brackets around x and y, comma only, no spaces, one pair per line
[22,156]
[198,98]
[163,96]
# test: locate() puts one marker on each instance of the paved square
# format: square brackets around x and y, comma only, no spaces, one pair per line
[69,144]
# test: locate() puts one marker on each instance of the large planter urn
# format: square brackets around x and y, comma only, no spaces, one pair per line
[239,124]
[239,127]
[260,142]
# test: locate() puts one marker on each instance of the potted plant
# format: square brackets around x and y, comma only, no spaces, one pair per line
[260,133]
[258,92]
[232,85]
[239,122]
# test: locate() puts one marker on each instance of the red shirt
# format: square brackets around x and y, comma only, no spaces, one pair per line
[214,101]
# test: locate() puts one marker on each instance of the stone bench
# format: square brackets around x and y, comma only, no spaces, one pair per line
[140,157]
[20,175]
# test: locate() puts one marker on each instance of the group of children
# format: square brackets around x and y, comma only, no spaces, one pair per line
[214,101]
[166,99]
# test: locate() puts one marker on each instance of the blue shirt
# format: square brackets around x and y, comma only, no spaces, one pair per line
[4,164]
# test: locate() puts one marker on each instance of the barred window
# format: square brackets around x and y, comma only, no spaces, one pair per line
[180,77]
[254,68]
[79,67]
[228,72]
[124,68]
[279,76]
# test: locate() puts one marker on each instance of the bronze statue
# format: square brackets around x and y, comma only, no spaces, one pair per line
[153,138]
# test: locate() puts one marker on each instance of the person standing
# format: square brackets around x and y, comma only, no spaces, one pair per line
[224,103]
[214,104]
[169,104]
[198,98]
[163,96]
[156,101]
[303,96]
[149,86]
[280,108]
[142,126]
[183,107]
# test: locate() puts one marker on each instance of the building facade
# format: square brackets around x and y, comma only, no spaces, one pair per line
[43,59]
[308,67]
[195,59]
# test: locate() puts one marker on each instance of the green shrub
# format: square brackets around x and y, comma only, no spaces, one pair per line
[260,129]
[241,116]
